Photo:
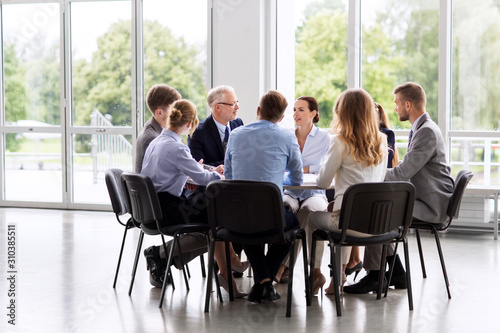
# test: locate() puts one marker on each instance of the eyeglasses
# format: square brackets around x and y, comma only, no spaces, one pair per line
[231,104]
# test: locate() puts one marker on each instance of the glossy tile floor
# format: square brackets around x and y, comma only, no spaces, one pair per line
[65,263]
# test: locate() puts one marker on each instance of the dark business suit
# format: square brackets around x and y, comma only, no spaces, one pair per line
[424,165]
[151,130]
[205,143]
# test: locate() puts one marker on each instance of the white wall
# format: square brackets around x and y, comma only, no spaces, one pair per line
[244,51]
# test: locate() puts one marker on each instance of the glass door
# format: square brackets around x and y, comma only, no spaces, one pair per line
[32,126]
[100,121]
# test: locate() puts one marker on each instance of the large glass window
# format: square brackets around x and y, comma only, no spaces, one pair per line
[321,52]
[102,61]
[66,118]
[476,90]
[400,42]
[32,115]
[33,167]
[175,49]
[102,95]
[476,65]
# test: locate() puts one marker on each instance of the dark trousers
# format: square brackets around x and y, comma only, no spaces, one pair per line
[182,210]
[266,265]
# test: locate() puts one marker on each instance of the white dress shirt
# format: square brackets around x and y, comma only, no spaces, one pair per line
[340,164]
[313,155]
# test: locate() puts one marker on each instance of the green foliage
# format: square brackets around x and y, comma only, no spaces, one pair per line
[380,69]
[105,83]
[321,60]
[15,93]
[401,45]
[172,61]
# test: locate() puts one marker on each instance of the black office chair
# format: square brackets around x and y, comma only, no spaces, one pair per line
[145,209]
[119,204]
[463,178]
[383,210]
[250,212]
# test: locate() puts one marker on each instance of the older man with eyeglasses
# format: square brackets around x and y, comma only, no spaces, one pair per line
[209,140]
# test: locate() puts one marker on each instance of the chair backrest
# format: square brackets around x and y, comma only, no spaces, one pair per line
[142,199]
[463,178]
[245,207]
[115,190]
[377,208]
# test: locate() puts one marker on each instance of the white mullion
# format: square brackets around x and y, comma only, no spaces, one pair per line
[68,148]
[354,44]
[2,116]
[137,71]
[444,82]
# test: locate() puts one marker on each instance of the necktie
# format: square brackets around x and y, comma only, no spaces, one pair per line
[226,138]
[409,138]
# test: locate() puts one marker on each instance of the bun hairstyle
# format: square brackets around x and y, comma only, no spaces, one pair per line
[312,104]
[182,112]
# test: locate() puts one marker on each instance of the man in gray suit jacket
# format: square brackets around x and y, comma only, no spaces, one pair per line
[159,100]
[424,165]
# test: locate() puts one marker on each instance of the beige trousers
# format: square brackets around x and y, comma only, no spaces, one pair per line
[312,204]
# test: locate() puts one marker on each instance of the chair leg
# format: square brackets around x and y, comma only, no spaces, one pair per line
[391,269]
[169,261]
[202,263]
[121,253]
[381,275]
[136,261]
[333,262]
[408,275]
[290,281]
[211,272]
[209,280]
[306,275]
[443,266]
[182,261]
[422,263]
[311,269]
[168,272]
[229,276]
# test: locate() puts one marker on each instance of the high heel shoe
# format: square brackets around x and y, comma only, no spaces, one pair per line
[235,268]
[331,290]
[318,284]
[223,283]
[356,269]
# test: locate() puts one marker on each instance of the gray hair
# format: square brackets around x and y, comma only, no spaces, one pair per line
[216,94]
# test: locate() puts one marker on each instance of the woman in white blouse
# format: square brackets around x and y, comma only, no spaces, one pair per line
[313,144]
[358,154]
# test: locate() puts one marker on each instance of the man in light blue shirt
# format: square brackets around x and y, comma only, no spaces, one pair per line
[263,151]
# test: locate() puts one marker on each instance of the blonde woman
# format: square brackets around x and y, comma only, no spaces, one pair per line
[169,164]
[357,154]
[355,264]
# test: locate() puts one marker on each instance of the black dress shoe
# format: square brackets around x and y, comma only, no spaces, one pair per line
[269,293]
[364,286]
[398,282]
[255,294]
[155,265]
